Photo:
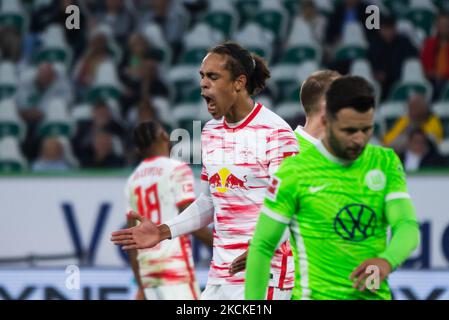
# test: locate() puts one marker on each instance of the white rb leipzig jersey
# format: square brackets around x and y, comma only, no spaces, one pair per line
[237,164]
[154,190]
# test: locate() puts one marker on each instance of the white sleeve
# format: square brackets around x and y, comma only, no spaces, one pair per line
[196,216]
[182,184]
[281,143]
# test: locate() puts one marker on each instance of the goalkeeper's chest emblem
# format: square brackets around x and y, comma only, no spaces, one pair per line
[355,222]
[375,180]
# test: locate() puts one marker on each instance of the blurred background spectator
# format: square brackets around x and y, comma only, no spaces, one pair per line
[102,153]
[419,117]
[421,153]
[435,55]
[387,53]
[51,157]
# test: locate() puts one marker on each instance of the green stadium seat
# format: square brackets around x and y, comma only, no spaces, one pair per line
[223,21]
[300,53]
[390,112]
[421,18]
[273,18]
[284,79]
[11,158]
[187,115]
[443,147]
[442,5]
[445,93]
[7,91]
[402,91]
[14,21]
[292,7]
[52,55]
[182,79]
[10,122]
[103,92]
[350,53]
[412,81]
[160,50]
[256,39]
[246,9]
[57,120]
[194,56]
[8,80]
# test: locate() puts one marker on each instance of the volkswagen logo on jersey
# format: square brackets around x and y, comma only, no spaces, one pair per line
[224,180]
[355,222]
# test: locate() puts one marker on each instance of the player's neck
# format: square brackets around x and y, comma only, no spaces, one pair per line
[157,151]
[240,110]
[326,148]
[314,127]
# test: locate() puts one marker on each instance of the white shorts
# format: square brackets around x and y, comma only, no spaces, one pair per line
[237,292]
[182,291]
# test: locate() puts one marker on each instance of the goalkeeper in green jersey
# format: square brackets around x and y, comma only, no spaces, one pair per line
[338,200]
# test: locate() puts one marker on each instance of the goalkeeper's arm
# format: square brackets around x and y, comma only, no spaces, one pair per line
[266,238]
[401,217]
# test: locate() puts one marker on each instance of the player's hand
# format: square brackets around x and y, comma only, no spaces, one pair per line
[140,295]
[378,266]
[145,235]
[239,263]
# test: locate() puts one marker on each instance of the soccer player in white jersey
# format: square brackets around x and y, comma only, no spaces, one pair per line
[158,189]
[242,146]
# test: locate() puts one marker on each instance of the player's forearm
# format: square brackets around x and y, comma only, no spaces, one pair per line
[266,237]
[132,256]
[405,231]
[198,215]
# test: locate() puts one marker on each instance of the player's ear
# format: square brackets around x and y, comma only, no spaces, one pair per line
[324,120]
[240,83]
[164,136]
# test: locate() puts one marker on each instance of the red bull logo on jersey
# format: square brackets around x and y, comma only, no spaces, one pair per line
[224,180]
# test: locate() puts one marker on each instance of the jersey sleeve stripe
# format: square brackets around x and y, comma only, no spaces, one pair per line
[274,215]
[397,195]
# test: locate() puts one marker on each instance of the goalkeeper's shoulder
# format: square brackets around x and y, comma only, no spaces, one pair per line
[381,152]
[290,166]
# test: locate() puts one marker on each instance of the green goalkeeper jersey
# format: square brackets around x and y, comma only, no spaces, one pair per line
[336,214]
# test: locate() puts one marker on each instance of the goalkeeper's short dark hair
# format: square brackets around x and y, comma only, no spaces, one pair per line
[349,92]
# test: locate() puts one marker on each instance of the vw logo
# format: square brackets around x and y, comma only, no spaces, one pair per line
[355,222]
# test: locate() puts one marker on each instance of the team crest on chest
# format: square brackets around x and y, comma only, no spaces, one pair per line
[375,180]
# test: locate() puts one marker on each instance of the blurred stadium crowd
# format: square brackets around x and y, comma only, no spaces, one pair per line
[69,98]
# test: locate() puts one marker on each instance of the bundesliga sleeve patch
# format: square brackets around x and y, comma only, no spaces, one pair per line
[273,188]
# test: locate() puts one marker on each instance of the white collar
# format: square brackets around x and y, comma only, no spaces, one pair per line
[300,130]
[236,124]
